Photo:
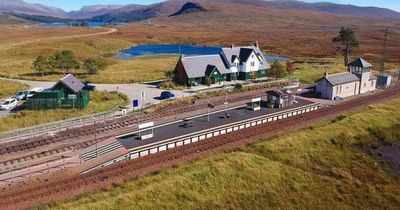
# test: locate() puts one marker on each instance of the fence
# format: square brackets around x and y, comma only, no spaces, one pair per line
[206,134]
[57,126]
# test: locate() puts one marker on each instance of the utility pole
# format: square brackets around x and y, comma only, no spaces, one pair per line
[384,55]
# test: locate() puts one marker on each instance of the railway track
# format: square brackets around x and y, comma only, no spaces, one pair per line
[88,132]
[68,187]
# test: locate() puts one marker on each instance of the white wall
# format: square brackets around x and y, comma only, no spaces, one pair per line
[330,92]
[246,67]
[345,90]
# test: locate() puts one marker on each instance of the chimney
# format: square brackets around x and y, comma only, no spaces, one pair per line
[256,44]
[232,46]
[181,56]
[326,73]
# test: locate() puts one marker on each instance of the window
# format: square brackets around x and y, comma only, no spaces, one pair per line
[365,84]
[253,63]
[372,83]
[337,89]
[340,89]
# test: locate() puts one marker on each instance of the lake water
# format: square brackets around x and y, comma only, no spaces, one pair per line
[175,49]
[69,24]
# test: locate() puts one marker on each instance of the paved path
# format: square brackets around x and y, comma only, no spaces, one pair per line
[201,123]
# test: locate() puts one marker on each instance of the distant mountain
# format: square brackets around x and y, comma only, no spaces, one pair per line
[189,8]
[11,19]
[92,11]
[338,9]
[133,13]
[22,7]
[19,6]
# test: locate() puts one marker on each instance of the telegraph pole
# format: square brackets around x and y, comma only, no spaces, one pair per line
[384,55]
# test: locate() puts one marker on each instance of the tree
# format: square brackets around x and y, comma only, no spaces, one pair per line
[277,70]
[290,67]
[42,65]
[65,60]
[93,65]
[169,74]
[208,81]
[348,40]
[253,76]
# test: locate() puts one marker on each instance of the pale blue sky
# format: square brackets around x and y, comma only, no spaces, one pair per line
[77,4]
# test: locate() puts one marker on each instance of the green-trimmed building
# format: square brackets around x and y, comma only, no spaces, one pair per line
[67,93]
[232,63]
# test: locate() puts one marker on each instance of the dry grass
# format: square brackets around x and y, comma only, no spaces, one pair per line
[100,102]
[9,88]
[315,168]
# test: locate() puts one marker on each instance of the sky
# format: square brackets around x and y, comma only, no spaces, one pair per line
[77,4]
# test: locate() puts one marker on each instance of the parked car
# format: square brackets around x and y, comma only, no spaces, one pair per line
[21,95]
[167,95]
[9,104]
[89,86]
[32,92]
[338,98]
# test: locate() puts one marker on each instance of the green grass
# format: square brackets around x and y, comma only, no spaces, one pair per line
[9,88]
[100,102]
[314,168]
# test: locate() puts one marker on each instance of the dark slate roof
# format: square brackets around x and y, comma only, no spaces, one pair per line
[210,69]
[342,78]
[360,63]
[278,93]
[243,53]
[196,66]
[72,83]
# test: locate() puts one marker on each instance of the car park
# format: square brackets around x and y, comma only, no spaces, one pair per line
[167,95]
[9,104]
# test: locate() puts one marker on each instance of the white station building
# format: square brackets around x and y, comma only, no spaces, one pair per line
[356,81]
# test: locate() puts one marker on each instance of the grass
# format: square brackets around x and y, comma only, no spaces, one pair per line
[100,102]
[314,168]
[9,88]
[148,68]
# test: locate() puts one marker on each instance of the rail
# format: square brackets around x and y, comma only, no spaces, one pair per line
[171,143]
[57,126]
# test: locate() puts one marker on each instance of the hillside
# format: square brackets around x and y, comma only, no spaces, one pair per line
[92,11]
[11,19]
[19,6]
[133,13]
[22,7]
[338,9]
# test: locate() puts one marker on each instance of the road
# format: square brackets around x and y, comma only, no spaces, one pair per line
[133,91]
[11,45]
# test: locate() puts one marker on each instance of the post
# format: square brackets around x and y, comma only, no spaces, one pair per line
[208,111]
[226,99]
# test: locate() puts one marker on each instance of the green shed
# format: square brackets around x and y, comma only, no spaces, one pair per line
[67,93]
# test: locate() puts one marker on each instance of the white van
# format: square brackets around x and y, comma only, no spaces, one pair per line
[32,92]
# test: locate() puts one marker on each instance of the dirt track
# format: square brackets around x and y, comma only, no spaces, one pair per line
[60,188]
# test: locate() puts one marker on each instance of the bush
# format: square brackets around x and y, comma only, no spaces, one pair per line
[238,87]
